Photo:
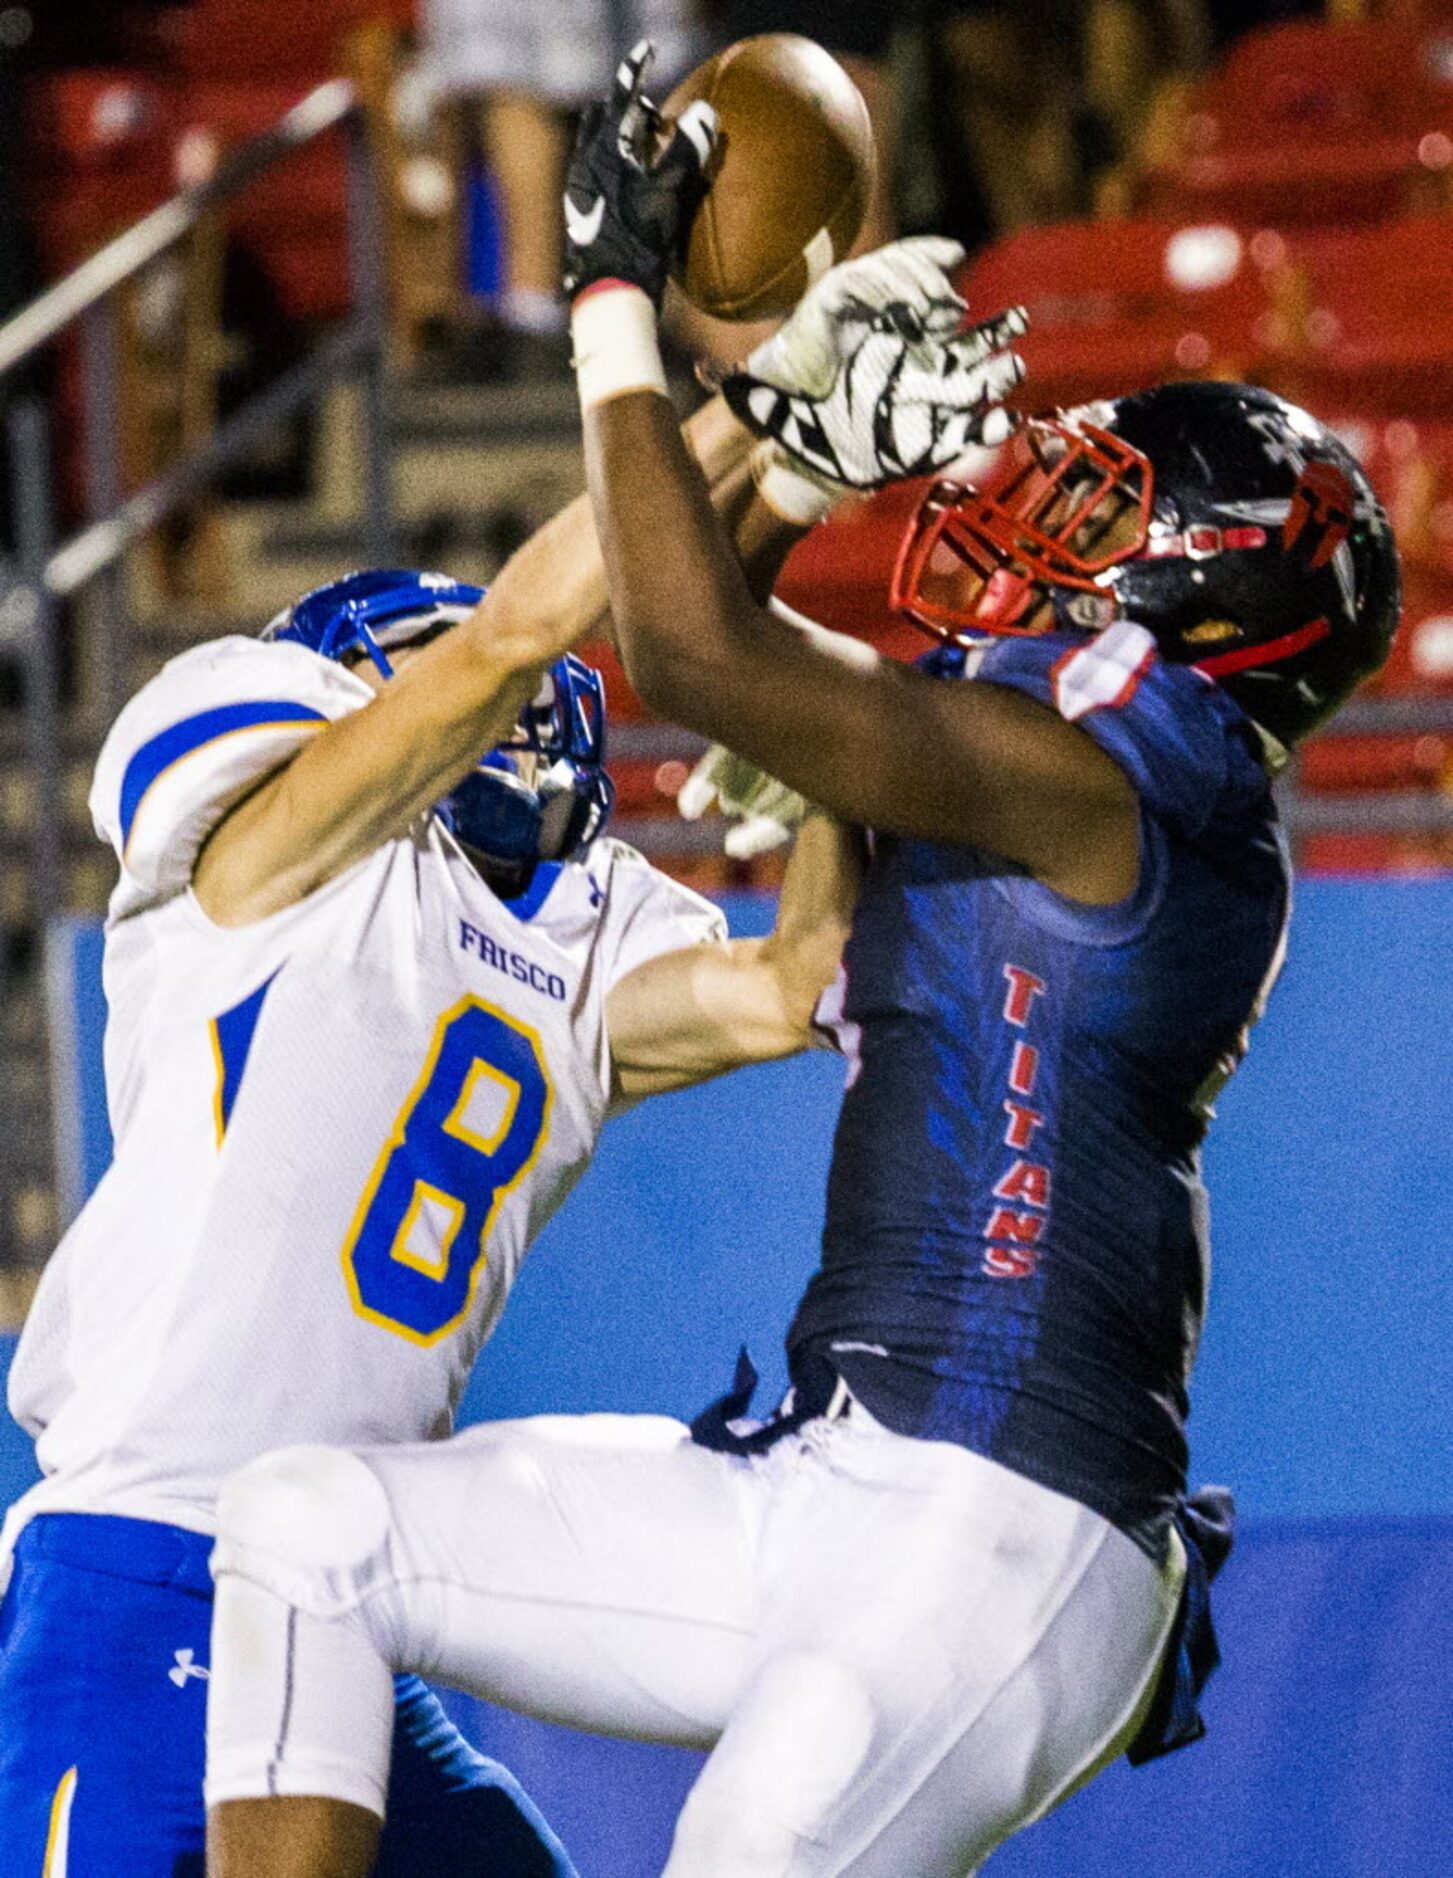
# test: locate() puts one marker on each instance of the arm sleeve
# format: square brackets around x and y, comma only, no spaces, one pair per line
[1165,725]
[208,728]
[650,914]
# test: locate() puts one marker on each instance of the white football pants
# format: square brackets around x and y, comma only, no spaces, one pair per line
[897,1651]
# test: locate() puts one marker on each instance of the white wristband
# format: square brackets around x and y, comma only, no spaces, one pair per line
[787,491]
[613,329]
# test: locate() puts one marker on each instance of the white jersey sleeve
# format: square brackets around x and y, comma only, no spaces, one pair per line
[192,742]
[649,913]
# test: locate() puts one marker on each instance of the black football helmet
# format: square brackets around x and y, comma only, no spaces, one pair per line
[1235,527]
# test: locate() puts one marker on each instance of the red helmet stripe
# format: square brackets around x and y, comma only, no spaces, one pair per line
[1271,652]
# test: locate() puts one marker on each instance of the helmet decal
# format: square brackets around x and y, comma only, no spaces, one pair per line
[1324,501]
[1269,652]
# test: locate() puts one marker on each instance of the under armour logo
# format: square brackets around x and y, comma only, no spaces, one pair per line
[187,1666]
[597,892]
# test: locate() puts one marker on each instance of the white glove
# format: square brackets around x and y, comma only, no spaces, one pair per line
[870,381]
[767,812]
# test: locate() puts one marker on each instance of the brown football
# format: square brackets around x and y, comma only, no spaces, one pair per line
[791,176]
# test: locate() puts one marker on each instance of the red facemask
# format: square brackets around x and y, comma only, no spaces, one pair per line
[1070,500]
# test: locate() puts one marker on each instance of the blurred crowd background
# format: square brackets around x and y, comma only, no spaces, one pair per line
[279,297]
[990,114]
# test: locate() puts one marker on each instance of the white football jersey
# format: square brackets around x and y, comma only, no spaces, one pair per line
[337,1130]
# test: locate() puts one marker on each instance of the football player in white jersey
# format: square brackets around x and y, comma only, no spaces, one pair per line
[366,1022]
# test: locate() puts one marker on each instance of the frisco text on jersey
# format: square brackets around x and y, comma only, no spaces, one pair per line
[524,971]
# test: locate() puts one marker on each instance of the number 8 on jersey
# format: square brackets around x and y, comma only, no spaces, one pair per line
[419,1232]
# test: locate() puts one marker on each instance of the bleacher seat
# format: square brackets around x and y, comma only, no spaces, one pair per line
[99,150]
[1373,330]
[1421,662]
[1353,852]
[251,41]
[294,219]
[1374,763]
[644,786]
[104,146]
[1117,306]
[1309,122]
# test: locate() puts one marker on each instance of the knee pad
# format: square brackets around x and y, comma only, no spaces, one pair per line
[305,1522]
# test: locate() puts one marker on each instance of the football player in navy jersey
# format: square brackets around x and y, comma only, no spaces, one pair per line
[957,1570]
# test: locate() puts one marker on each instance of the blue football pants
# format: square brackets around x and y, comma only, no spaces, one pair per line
[104,1632]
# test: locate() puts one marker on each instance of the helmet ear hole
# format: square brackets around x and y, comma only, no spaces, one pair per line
[557,812]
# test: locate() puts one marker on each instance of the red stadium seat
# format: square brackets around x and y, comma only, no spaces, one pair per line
[99,151]
[1117,306]
[1409,855]
[1421,664]
[251,41]
[294,220]
[839,574]
[1346,764]
[646,786]
[93,120]
[1308,122]
[1375,329]
[105,148]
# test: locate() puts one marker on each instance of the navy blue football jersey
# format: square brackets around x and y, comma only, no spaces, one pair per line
[1015,1249]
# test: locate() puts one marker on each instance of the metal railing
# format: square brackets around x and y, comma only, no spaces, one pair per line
[46,571]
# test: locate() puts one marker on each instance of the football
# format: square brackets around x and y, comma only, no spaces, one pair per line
[791,176]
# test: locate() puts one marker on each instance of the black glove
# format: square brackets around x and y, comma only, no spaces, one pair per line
[627,212]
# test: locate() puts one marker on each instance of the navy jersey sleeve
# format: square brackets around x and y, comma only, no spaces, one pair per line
[1166,726]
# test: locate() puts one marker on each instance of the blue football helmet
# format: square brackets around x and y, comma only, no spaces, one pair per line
[493,810]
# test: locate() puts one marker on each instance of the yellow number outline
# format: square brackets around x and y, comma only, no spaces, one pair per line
[396,1141]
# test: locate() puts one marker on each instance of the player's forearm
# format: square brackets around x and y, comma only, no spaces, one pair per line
[552,592]
[723,450]
[814,913]
[364,779]
[762,539]
[547,596]
[821,885]
[731,460]
[716,441]
[691,1015]
[679,596]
